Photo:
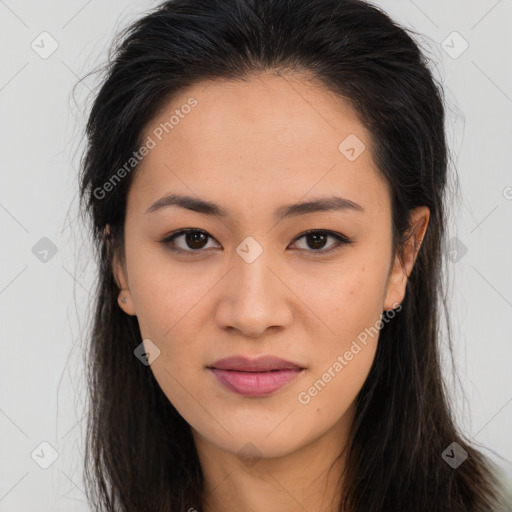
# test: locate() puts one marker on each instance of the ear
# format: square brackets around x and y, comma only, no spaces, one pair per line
[120,275]
[402,268]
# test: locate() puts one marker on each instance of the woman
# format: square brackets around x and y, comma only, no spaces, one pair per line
[266,185]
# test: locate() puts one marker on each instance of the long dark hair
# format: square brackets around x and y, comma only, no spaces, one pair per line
[140,455]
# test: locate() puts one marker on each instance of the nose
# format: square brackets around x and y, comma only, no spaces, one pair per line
[256,299]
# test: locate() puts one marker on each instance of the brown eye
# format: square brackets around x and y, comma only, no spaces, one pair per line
[316,240]
[192,240]
[195,239]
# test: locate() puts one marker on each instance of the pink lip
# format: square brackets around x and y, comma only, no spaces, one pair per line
[255,383]
[254,377]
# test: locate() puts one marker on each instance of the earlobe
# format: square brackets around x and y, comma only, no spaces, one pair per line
[125,302]
[124,299]
[402,267]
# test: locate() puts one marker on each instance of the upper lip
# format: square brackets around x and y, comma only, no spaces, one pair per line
[259,364]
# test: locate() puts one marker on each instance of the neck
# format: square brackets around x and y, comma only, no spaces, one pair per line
[309,478]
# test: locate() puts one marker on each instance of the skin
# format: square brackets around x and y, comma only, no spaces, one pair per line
[251,147]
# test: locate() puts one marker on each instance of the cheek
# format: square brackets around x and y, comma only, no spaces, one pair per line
[349,301]
[163,294]
[168,306]
[351,307]
[344,354]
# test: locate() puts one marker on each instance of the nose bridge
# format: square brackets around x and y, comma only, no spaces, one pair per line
[254,282]
[255,298]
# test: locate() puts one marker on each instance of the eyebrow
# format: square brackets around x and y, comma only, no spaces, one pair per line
[333,203]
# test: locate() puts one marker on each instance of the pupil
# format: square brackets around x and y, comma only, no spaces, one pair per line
[191,239]
[315,237]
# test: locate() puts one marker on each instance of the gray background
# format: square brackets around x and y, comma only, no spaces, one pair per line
[44,296]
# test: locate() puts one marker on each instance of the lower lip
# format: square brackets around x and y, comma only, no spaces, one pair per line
[255,383]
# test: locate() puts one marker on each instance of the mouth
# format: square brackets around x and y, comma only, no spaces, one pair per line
[259,364]
[257,377]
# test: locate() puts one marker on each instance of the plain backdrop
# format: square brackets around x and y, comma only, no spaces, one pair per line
[47,269]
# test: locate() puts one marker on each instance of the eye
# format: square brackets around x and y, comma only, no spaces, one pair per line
[316,239]
[194,240]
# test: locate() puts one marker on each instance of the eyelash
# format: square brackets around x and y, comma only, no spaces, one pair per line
[341,240]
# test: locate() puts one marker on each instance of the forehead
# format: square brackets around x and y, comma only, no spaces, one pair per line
[257,140]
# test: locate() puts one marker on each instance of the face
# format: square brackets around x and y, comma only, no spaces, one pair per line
[246,280]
